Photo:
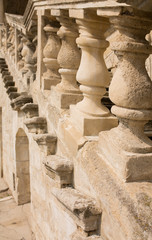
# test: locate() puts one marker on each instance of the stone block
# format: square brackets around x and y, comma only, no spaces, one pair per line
[83,209]
[129,166]
[36,125]
[63,100]
[89,125]
[30,110]
[60,169]
[46,142]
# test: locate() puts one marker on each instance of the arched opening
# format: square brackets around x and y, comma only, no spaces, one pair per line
[22,183]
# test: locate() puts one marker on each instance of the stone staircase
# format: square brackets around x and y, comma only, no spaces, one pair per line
[60,169]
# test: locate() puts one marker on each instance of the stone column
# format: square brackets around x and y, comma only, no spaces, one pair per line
[126,148]
[51,76]
[67,92]
[90,115]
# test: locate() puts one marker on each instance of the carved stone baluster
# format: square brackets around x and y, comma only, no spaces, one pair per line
[27,54]
[126,148]
[67,92]
[90,115]
[51,76]
[20,63]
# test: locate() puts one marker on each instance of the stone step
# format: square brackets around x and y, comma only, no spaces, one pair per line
[9,83]
[37,125]
[11,89]
[20,101]
[7,78]
[13,95]
[46,142]
[82,209]
[30,110]
[60,169]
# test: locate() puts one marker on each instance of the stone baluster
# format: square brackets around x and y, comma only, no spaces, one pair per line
[126,148]
[90,115]
[20,63]
[67,92]
[27,54]
[51,76]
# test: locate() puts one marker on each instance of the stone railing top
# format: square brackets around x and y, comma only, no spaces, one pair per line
[23,22]
[15,20]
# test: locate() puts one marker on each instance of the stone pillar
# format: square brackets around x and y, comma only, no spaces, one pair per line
[90,115]
[126,148]
[67,92]
[51,76]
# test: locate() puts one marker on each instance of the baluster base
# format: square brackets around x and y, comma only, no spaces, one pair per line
[134,164]
[90,125]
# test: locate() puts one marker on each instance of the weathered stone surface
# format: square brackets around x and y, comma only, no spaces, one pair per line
[9,83]
[47,142]
[60,169]
[13,95]
[11,89]
[30,110]
[48,146]
[82,208]
[21,101]
[36,125]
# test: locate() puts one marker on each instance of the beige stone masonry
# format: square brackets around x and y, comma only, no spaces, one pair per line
[47,143]
[30,110]
[36,125]
[60,170]
[21,101]
[82,208]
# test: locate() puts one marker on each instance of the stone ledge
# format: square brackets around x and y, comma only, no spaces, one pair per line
[9,83]
[21,101]
[36,125]
[83,209]
[30,110]
[60,169]
[46,142]
[11,89]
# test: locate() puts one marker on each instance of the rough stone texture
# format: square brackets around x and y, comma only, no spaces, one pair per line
[53,156]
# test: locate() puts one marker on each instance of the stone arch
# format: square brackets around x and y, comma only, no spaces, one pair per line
[22,184]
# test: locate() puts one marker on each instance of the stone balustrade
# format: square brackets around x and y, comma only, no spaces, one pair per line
[71,65]
[58,49]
